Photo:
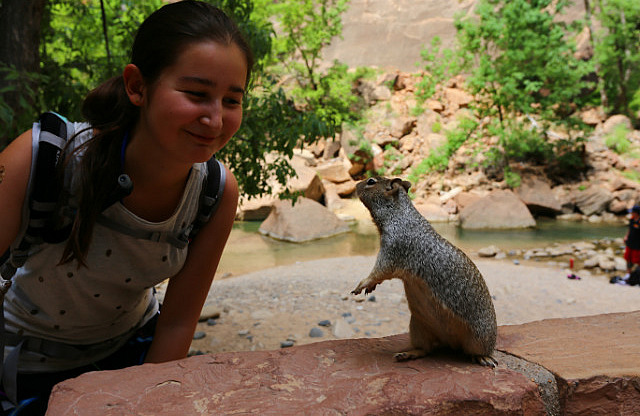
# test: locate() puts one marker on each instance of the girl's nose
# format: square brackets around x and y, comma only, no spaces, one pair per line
[213,117]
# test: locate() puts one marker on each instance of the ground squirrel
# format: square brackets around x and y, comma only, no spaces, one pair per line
[449,301]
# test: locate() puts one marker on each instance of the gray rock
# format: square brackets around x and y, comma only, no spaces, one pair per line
[538,197]
[342,329]
[501,209]
[593,200]
[305,221]
[316,332]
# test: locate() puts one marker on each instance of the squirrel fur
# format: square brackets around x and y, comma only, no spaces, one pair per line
[448,298]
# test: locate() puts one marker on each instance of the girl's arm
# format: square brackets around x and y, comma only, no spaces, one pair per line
[187,290]
[15,161]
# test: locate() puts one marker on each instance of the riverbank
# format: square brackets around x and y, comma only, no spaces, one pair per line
[248,251]
[285,305]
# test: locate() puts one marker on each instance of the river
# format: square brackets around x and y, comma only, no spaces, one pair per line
[248,250]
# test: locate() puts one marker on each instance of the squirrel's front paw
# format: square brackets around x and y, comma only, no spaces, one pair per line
[366,285]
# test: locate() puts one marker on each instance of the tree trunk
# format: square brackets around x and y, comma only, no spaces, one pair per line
[604,100]
[20,28]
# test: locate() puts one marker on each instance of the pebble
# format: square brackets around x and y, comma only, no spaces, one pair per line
[212,322]
[372,298]
[316,332]
[243,332]
[209,312]
[325,322]
[286,344]
[199,335]
[342,330]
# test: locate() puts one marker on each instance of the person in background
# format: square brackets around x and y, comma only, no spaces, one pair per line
[81,304]
[632,240]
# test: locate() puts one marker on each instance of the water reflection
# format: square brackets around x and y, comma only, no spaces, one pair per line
[248,250]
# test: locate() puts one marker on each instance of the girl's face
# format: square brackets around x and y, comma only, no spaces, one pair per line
[195,106]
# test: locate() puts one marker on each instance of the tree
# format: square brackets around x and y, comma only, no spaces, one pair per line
[305,28]
[522,65]
[616,54]
[19,62]
[75,58]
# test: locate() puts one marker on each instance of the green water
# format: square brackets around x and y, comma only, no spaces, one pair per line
[248,250]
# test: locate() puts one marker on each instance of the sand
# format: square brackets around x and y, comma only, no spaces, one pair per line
[263,309]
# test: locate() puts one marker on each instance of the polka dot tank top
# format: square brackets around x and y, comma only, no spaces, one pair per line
[110,297]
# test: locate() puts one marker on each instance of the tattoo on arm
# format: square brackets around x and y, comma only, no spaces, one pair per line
[1,173]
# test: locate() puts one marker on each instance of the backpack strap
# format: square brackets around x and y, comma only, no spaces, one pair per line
[210,197]
[53,130]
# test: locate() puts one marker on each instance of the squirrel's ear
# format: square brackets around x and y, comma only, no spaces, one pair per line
[394,186]
[405,184]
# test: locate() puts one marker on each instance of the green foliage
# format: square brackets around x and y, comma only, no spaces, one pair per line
[74,52]
[12,119]
[617,140]
[438,158]
[617,55]
[522,62]
[633,175]
[439,65]
[305,28]
[519,62]
[74,58]
[511,178]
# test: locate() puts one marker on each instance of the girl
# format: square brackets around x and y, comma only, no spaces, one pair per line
[176,104]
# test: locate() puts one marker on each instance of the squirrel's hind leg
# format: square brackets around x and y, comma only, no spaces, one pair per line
[410,355]
[422,341]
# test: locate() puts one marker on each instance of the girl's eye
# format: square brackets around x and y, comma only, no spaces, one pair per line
[232,101]
[197,94]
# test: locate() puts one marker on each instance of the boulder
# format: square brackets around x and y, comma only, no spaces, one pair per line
[255,209]
[592,116]
[306,180]
[432,212]
[463,199]
[333,171]
[538,197]
[306,220]
[614,121]
[354,377]
[500,209]
[594,360]
[457,98]
[593,200]
[401,126]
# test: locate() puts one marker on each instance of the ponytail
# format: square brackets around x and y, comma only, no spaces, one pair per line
[110,113]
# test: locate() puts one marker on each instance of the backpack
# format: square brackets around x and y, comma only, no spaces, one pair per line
[54,130]
[41,203]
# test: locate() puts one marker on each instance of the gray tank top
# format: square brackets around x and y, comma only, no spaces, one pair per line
[111,297]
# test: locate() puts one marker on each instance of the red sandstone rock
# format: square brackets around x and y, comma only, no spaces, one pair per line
[596,360]
[354,377]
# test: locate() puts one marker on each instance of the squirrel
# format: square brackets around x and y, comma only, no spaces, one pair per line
[448,298]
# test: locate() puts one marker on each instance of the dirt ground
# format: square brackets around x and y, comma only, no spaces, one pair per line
[280,306]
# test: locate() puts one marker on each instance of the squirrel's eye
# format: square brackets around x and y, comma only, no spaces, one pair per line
[371,181]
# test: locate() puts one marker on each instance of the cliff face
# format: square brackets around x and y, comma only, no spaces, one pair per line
[391,33]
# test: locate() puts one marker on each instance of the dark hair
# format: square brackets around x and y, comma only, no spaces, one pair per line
[158,43]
